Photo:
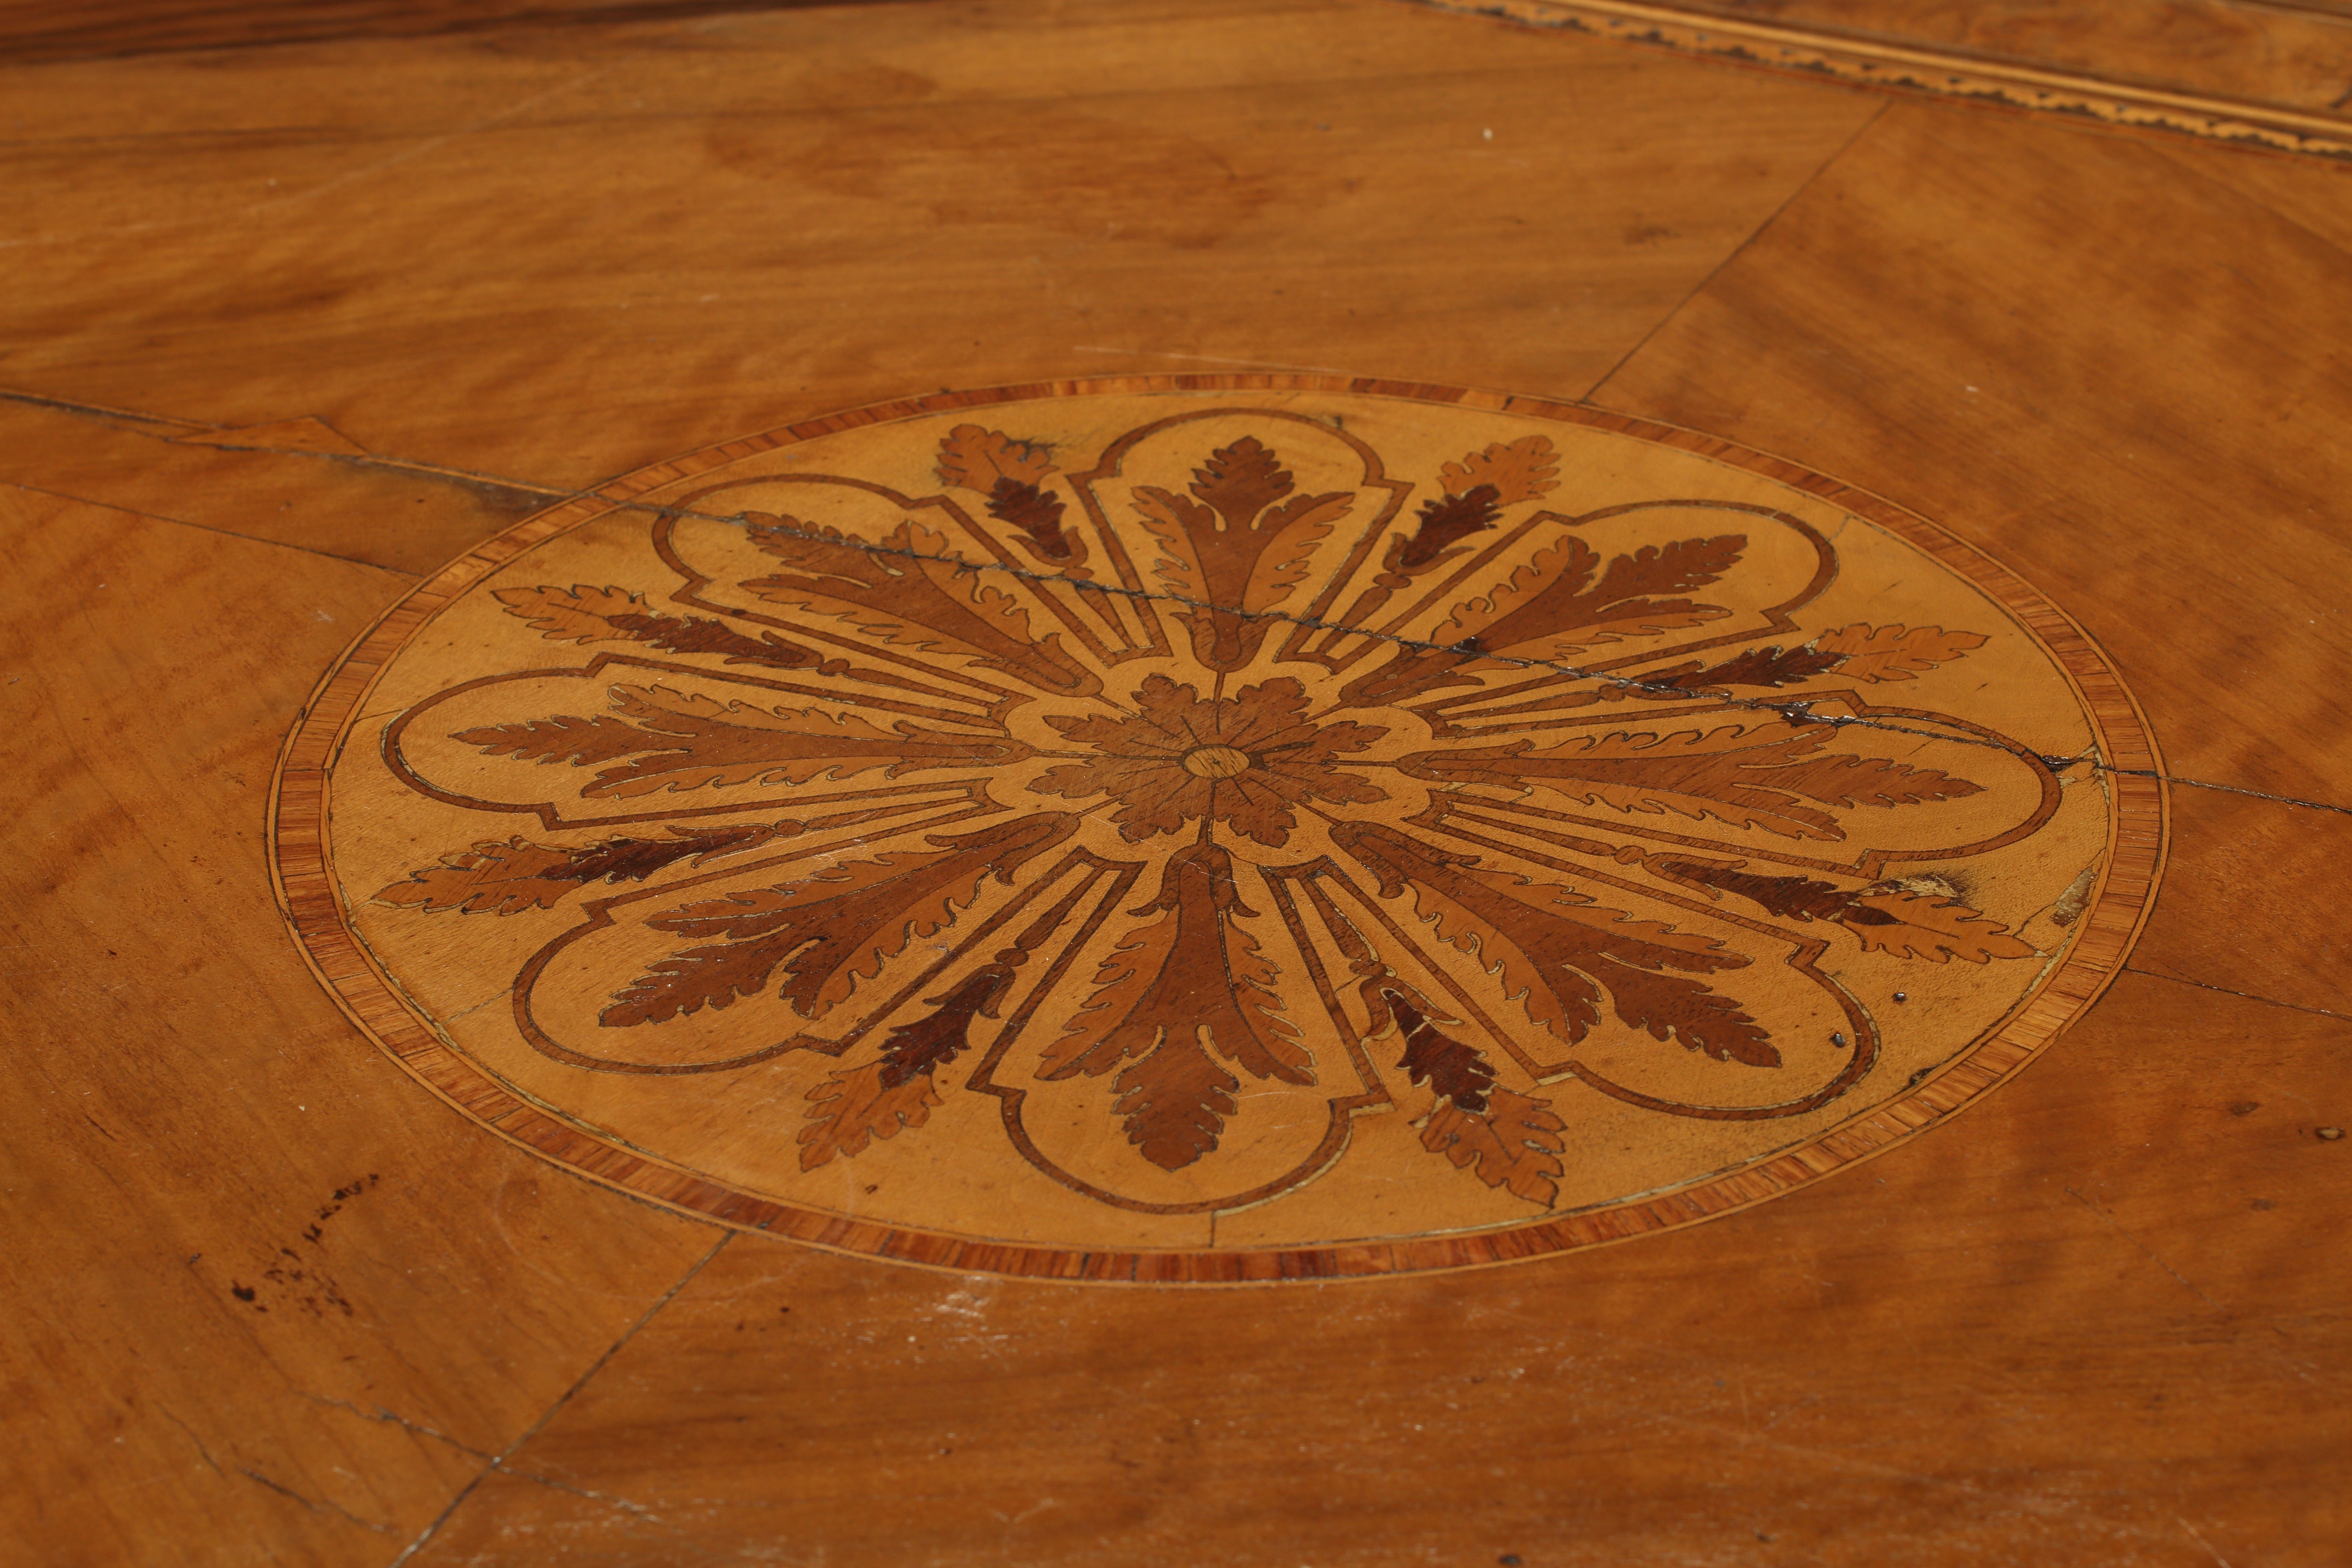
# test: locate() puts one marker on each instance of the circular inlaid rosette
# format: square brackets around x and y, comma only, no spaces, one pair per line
[1218,828]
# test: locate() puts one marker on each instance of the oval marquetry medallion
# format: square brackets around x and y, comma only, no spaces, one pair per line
[1214,828]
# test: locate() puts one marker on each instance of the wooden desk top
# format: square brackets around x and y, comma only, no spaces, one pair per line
[815,935]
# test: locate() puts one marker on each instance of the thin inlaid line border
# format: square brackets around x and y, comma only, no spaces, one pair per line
[2132,866]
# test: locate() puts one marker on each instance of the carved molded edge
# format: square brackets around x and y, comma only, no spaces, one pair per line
[1857,62]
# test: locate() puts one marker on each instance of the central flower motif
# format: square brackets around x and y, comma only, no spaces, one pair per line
[1216,762]
[1249,762]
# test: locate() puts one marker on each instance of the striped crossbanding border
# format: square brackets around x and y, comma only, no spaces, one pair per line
[302,874]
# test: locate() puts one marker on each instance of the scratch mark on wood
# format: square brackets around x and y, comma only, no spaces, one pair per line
[2200,1540]
[207,1453]
[2109,1221]
[314,1506]
[391,1418]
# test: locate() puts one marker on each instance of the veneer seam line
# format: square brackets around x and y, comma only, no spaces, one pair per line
[106,415]
[2206,178]
[1737,251]
[498,1464]
[206,527]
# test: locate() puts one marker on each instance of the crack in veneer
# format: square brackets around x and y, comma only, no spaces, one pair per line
[1797,711]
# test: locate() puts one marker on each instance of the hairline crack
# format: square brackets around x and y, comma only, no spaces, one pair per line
[1795,712]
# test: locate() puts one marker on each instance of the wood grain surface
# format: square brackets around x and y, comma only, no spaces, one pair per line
[290,326]
[221,1277]
[1104,641]
[2103,1356]
[2209,565]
